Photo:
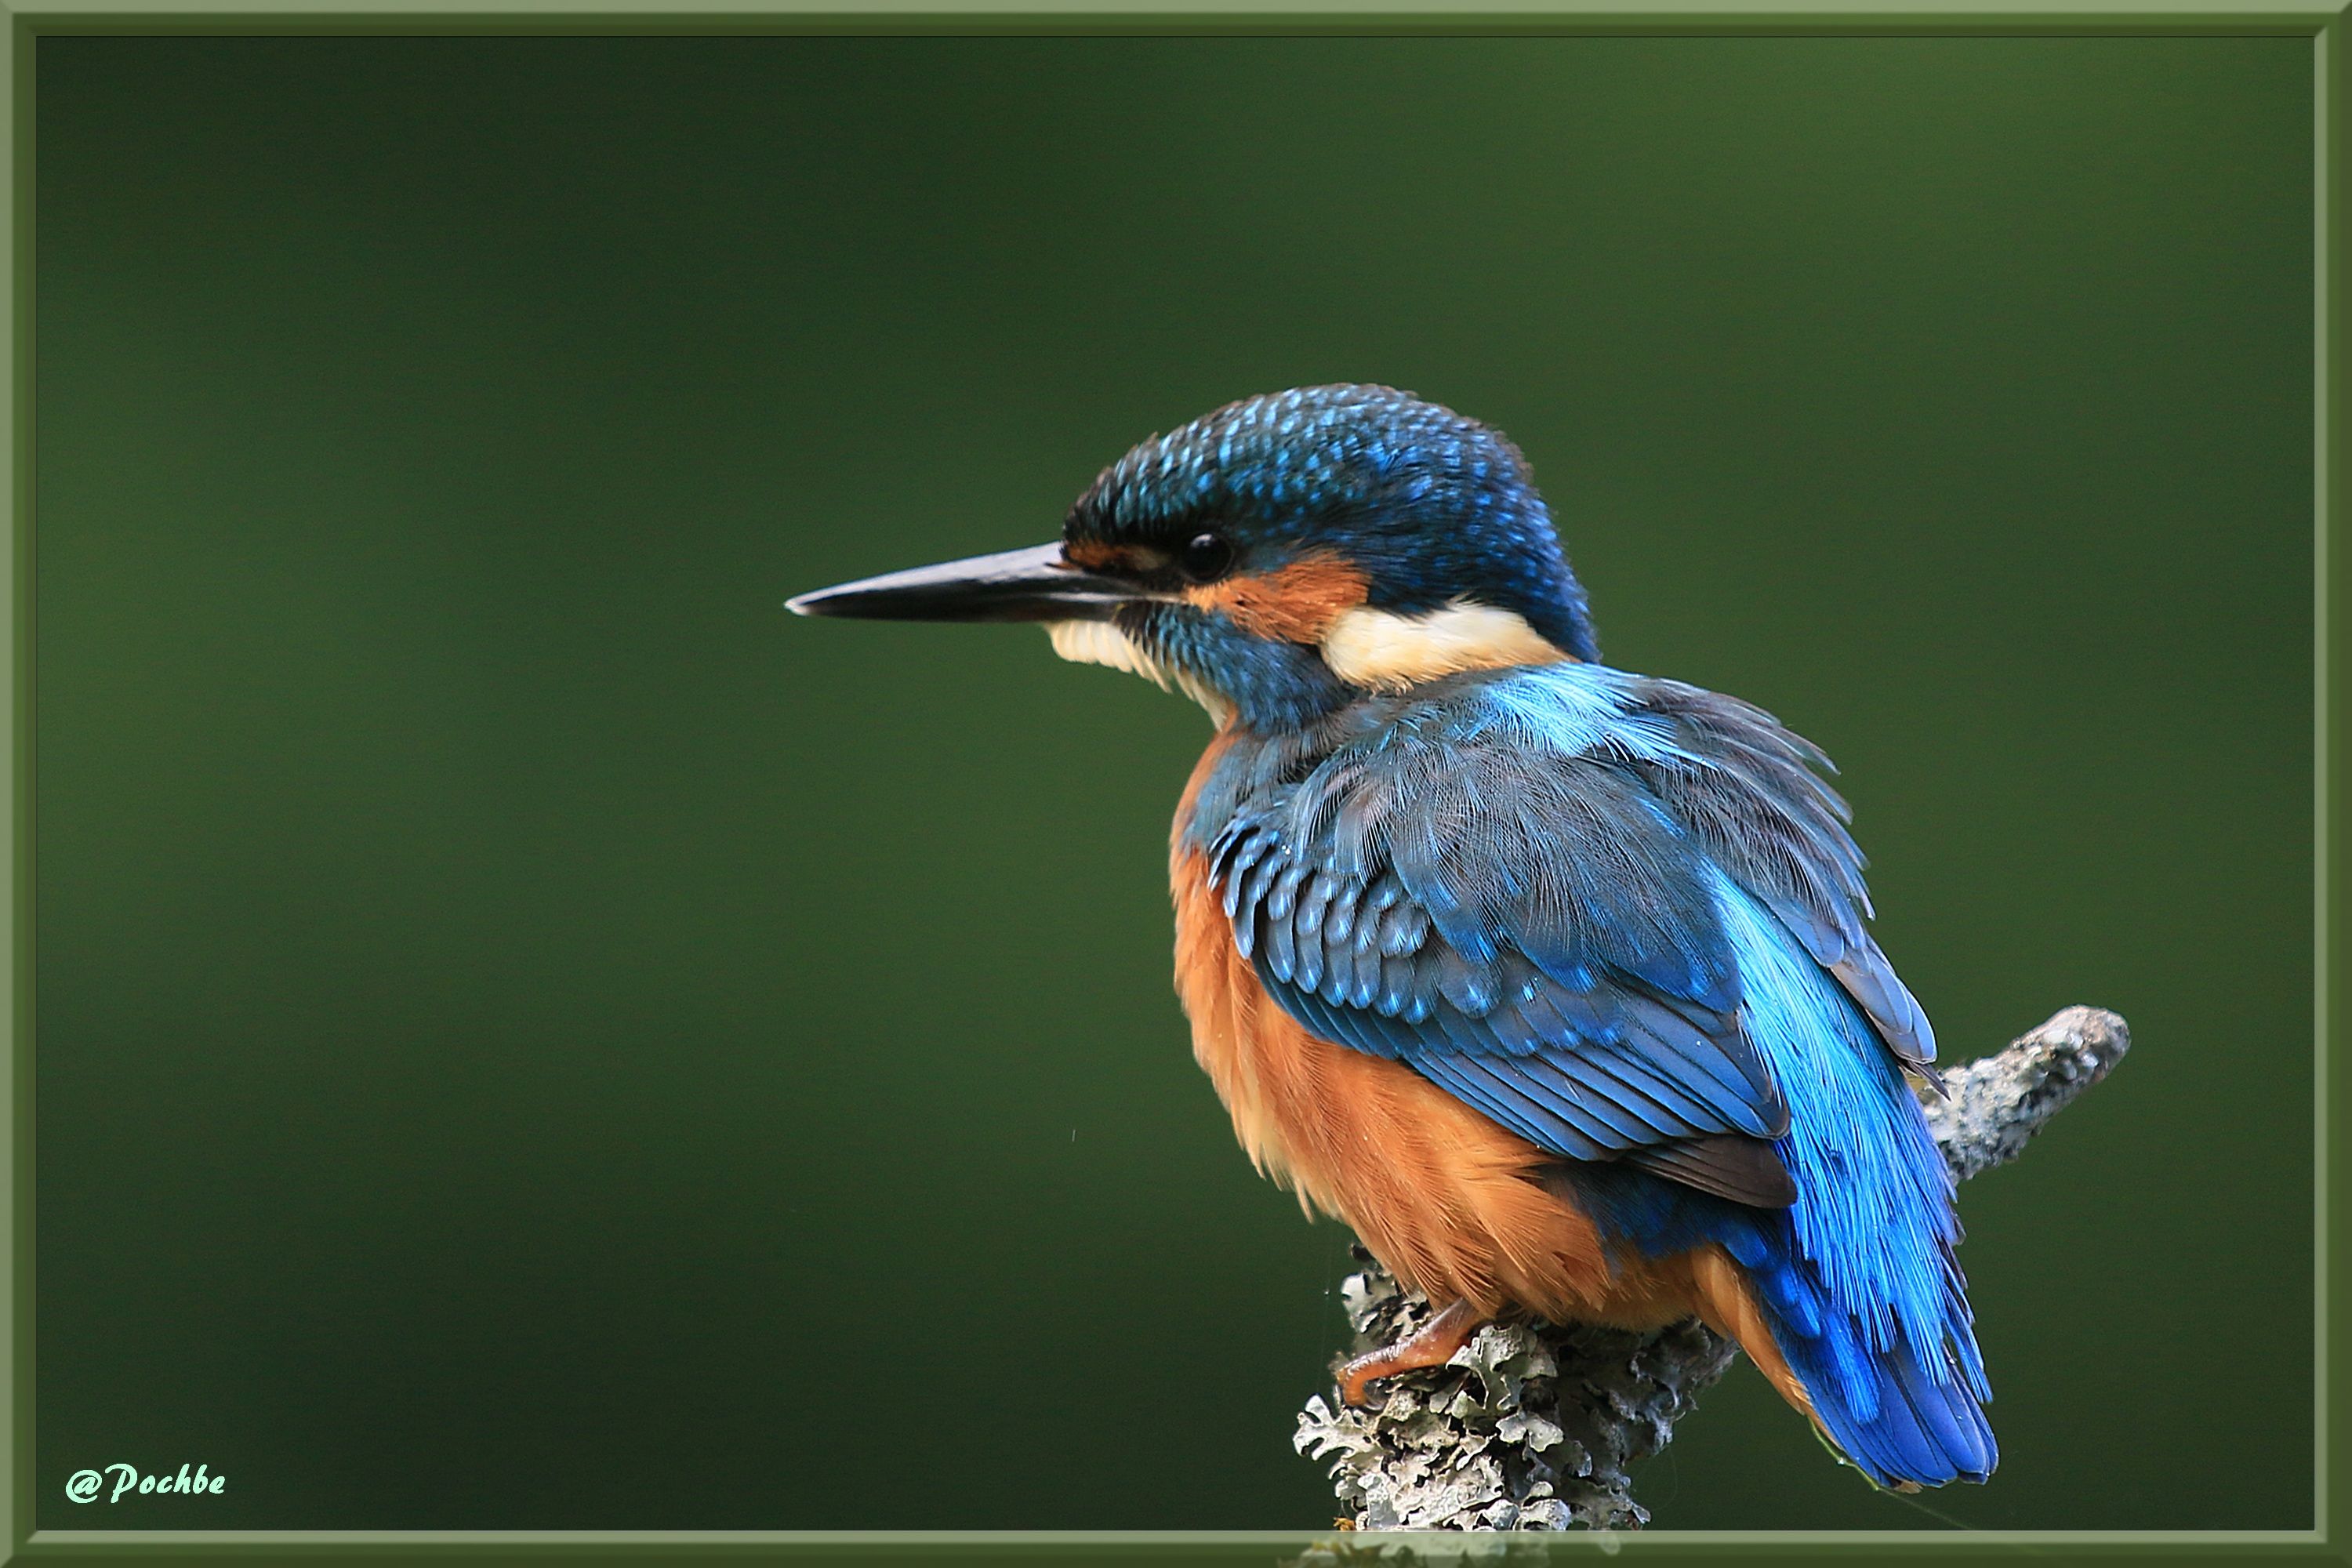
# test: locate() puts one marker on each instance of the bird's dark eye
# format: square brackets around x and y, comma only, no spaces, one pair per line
[1208,557]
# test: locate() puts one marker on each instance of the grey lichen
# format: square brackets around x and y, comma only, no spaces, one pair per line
[1531,1426]
[1993,1105]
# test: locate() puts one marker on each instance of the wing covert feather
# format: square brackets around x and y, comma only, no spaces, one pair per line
[1511,887]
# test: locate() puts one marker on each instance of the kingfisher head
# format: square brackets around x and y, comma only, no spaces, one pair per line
[1281,557]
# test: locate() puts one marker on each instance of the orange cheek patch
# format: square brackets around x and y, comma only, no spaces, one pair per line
[1296,604]
[1092,554]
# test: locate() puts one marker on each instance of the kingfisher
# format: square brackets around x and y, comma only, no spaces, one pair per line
[1551,980]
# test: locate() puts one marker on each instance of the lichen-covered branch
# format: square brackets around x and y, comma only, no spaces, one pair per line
[1531,1426]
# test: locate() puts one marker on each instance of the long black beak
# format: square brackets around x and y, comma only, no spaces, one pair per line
[1015,586]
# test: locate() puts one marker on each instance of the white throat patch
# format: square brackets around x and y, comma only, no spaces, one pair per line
[1388,652]
[1099,642]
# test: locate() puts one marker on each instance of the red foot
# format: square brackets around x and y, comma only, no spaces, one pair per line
[1432,1345]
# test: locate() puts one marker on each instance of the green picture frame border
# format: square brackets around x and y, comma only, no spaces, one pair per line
[2324,24]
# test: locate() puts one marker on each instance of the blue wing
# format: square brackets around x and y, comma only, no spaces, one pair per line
[1510,884]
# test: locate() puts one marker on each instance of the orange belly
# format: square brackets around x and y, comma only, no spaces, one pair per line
[1445,1198]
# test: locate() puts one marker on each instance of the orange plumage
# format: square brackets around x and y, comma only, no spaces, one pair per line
[1297,601]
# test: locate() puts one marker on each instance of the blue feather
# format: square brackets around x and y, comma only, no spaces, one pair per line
[1868,1257]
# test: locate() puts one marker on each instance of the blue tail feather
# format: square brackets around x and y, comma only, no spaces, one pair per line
[1858,1279]
[1900,1411]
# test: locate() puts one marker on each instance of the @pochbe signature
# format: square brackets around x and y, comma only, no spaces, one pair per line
[84,1486]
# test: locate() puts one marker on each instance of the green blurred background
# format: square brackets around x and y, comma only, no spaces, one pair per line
[532,1035]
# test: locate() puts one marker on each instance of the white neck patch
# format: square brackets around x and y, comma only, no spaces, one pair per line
[1099,642]
[1377,649]
[1388,652]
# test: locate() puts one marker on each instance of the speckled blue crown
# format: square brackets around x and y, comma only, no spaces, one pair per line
[1433,506]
